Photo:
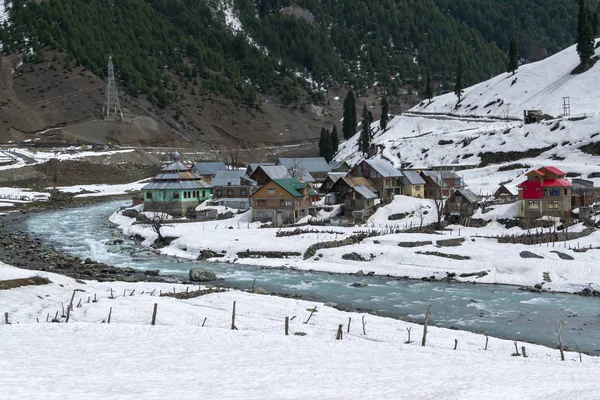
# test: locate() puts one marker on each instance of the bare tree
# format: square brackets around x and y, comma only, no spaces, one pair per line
[230,157]
[440,205]
[559,327]
[420,211]
[159,217]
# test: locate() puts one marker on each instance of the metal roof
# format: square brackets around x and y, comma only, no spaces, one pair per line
[209,168]
[275,171]
[175,185]
[176,166]
[302,175]
[231,178]
[177,176]
[412,178]
[311,164]
[291,185]
[364,192]
[467,194]
[338,164]
[253,166]
[554,170]
[384,168]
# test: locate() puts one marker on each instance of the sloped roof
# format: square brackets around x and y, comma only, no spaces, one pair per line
[210,168]
[177,176]
[365,192]
[357,181]
[230,178]
[412,178]
[384,168]
[175,185]
[556,182]
[291,185]
[275,171]
[302,175]
[176,166]
[311,164]
[554,170]
[469,195]
[253,166]
[338,164]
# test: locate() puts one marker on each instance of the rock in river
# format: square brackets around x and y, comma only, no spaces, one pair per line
[200,275]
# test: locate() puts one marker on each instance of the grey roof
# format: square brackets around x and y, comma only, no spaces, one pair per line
[467,194]
[275,171]
[337,164]
[231,178]
[384,168]
[412,178]
[209,168]
[174,185]
[175,166]
[302,175]
[253,166]
[365,192]
[311,164]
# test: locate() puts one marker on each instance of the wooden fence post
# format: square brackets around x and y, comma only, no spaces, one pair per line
[233,327]
[340,332]
[110,313]
[71,302]
[68,313]
[524,351]
[154,314]
[287,326]
[424,340]
[6,318]
[203,322]
[455,343]
[364,324]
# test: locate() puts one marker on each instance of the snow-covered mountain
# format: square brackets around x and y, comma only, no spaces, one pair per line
[486,129]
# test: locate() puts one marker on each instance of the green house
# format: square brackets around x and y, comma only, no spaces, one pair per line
[175,190]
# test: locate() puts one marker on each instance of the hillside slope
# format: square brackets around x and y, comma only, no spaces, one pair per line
[478,132]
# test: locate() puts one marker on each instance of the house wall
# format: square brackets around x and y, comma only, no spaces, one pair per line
[260,177]
[219,192]
[414,190]
[278,205]
[555,206]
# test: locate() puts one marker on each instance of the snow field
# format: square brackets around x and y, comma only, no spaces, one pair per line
[130,359]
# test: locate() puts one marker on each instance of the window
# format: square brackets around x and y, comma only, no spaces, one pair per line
[271,191]
[298,202]
[534,204]
[149,195]
[260,203]
[554,191]
[244,193]
[308,202]
[545,192]
[285,202]
[219,192]
[229,192]
[417,187]
[566,191]
[553,205]
[175,195]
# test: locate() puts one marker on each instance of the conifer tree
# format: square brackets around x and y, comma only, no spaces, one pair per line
[585,33]
[595,24]
[365,137]
[349,124]
[428,88]
[384,114]
[327,147]
[322,143]
[458,83]
[513,63]
[335,140]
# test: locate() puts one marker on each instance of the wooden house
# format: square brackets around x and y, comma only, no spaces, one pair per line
[385,179]
[413,184]
[461,203]
[442,183]
[545,192]
[283,202]
[317,167]
[208,170]
[357,195]
[234,188]
[583,193]
[506,194]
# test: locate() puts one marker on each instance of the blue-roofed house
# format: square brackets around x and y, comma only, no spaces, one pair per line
[385,178]
[175,189]
[208,170]
[233,189]
[317,167]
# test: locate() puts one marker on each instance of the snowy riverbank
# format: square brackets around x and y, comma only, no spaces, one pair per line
[478,259]
[180,356]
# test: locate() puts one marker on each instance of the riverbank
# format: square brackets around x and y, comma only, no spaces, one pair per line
[257,353]
[460,254]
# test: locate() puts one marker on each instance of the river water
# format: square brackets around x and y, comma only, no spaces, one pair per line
[500,311]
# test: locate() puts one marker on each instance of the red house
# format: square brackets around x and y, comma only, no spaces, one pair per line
[545,192]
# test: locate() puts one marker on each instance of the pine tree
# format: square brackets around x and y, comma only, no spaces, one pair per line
[513,63]
[384,114]
[587,45]
[335,140]
[349,124]
[581,22]
[327,147]
[365,137]
[585,32]
[458,83]
[322,143]
[428,88]
[595,24]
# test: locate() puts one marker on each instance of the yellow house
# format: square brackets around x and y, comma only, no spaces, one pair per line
[412,184]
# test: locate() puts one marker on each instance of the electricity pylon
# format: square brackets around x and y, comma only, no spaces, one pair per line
[112,97]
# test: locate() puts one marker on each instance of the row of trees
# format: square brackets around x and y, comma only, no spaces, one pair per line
[587,30]
[328,143]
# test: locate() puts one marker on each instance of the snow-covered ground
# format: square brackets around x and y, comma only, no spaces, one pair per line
[25,156]
[130,359]
[438,134]
[10,196]
[103,190]
[502,263]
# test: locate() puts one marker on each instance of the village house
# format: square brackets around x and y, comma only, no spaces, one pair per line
[332,178]
[583,193]
[339,166]
[283,202]
[175,190]
[545,192]
[233,189]
[254,166]
[441,182]
[384,178]
[357,194]
[208,170]
[317,167]
[264,174]
[506,194]
[412,184]
[461,203]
